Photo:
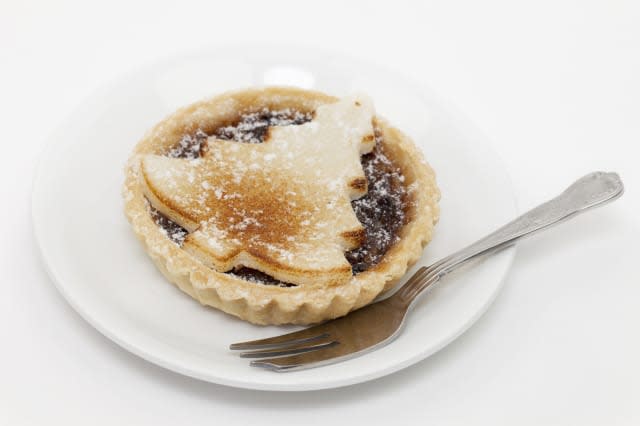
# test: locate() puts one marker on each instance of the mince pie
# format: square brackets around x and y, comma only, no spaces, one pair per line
[281,205]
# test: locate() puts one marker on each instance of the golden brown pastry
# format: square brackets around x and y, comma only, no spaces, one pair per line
[280,205]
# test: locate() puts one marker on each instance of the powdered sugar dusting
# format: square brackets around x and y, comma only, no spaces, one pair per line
[253,127]
[174,232]
[190,146]
[381,210]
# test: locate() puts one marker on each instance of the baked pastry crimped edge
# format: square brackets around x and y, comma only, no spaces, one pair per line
[268,304]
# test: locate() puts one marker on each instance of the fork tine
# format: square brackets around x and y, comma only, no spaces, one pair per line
[285,352]
[417,276]
[307,335]
[361,331]
[328,355]
[269,364]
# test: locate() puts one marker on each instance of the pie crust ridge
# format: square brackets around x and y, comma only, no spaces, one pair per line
[265,304]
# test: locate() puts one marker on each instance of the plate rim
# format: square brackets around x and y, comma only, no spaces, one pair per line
[178,367]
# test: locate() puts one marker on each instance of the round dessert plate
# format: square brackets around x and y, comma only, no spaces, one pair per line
[98,265]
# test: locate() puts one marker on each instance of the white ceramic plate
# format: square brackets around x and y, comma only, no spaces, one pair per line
[102,270]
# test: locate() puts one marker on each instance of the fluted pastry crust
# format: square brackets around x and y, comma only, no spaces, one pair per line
[267,304]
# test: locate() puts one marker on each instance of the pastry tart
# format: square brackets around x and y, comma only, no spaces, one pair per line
[280,205]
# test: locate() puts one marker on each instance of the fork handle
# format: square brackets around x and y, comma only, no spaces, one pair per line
[592,190]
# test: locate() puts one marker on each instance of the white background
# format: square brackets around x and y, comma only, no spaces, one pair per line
[554,84]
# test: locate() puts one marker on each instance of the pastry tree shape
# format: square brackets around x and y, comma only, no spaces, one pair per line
[282,207]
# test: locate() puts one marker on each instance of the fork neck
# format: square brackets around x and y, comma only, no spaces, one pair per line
[590,191]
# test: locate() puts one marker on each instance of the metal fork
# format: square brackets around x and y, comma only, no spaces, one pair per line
[379,323]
